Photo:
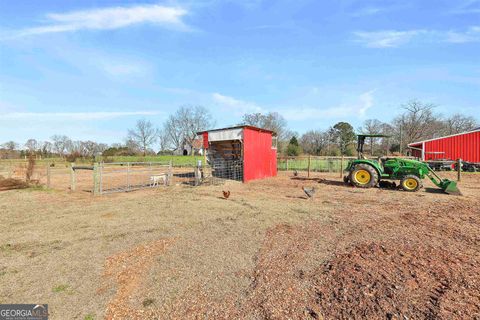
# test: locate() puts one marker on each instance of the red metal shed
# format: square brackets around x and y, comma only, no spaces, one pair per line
[465,146]
[254,148]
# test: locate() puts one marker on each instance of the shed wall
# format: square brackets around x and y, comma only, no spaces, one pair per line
[259,158]
[465,146]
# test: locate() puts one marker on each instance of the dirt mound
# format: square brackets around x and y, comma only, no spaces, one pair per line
[399,281]
[10,183]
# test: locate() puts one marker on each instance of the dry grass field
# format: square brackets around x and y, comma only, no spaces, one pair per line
[267,252]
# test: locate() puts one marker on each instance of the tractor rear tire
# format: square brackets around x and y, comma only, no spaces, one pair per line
[411,183]
[363,176]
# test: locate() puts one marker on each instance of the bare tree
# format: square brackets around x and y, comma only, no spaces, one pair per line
[132,145]
[314,142]
[173,132]
[458,123]
[416,123]
[254,119]
[60,144]
[182,126]
[271,121]
[47,148]
[192,120]
[144,135]
[163,139]
[10,145]
[372,126]
[32,145]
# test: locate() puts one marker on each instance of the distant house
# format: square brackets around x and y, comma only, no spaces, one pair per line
[186,148]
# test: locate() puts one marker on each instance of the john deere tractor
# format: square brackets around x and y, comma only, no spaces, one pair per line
[367,173]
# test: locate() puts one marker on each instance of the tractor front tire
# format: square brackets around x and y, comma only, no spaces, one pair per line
[363,176]
[411,183]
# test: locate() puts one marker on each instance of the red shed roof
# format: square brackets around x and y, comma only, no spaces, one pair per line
[240,127]
[452,135]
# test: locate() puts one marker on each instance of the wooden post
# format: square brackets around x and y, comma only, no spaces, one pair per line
[341,166]
[459,169]
[170,174]
[73,179]
[49,172]
[309,162]
[287,164]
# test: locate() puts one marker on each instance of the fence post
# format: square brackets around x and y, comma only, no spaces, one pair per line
[128,176]
[341,166]
[73,179]
[309,161]
[49,172]
[197,179]
[459,169]
[95,178]
[170,173]
[287,164]
[100,182]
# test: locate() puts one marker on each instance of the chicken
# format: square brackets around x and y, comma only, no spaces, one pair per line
[226,194]
[310,192]
[295,173]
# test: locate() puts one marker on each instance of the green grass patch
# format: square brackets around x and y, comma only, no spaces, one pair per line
[89,317]
[60,288]
[316,165]
[60,163]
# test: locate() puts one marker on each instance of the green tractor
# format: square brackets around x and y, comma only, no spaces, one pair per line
[367,173]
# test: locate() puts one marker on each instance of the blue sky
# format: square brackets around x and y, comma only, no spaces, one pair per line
[90,69]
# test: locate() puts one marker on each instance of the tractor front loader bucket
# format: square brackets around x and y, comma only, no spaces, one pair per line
[450,187]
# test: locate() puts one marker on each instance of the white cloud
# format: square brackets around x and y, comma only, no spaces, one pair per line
[386,38]
[238,106]
[472,34]
[73,116]
[395,38]
[359,109]
[368,11]
[110,18]
[126,68]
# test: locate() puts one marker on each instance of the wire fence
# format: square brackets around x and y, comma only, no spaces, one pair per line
[103,178]
[129,176]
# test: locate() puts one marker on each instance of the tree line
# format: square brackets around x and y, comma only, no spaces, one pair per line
[417,121]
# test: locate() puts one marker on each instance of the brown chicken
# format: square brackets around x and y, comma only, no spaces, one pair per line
[226,194]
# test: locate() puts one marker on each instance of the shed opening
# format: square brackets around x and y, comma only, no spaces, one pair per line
[226,159]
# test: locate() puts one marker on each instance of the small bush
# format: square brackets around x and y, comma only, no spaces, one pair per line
[293,150]
[72,157]
[148,302]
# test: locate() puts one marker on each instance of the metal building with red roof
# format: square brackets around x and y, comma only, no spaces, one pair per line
[465,146]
